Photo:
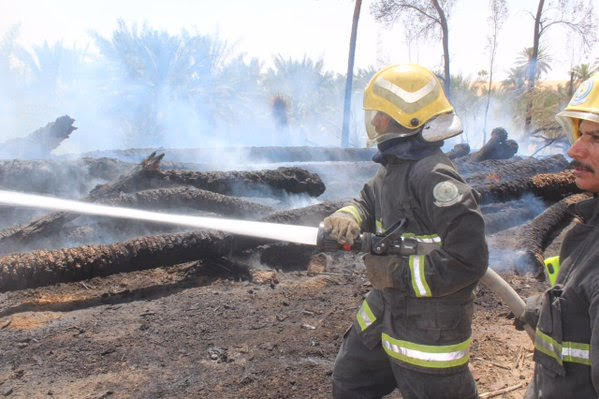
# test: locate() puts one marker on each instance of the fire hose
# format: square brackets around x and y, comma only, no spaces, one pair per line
[391,243]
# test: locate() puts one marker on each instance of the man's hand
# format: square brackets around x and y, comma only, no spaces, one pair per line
[342,227]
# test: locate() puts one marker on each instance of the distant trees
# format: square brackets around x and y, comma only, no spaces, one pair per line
[576,15]
[424,18]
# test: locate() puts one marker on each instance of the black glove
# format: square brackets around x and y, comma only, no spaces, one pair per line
[531,313]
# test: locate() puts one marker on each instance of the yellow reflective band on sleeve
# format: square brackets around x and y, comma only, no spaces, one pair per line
[365,316]
[552,266]
[430,356]
[573,352]
[354,211]
[419,284]
[379,226]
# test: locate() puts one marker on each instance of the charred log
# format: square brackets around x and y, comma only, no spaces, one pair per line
[535,237]
[458,150]
[551,187]
[38,268]
[498,147]
[40,143]
[507,218]
[60,178]
[499,170]
[251,183]
[190,197]
[149,176]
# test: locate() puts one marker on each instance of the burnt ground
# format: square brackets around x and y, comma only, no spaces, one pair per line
[198,330]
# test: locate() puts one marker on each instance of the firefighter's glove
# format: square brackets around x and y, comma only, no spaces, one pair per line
[342,227]
[531,313]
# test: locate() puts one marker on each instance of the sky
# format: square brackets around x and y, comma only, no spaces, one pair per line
[315,28]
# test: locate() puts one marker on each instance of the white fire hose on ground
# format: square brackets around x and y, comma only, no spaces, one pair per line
[499,286]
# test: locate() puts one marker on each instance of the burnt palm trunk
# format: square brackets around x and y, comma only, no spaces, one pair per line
[190,197]
[263,183]
[542,230]
[499,170]
[39,268]
[550,187]
[39,144]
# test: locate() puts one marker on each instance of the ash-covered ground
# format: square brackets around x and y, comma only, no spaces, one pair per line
[235,327]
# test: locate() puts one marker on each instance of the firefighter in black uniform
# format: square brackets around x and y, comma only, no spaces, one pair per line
[412,331]
[566,316]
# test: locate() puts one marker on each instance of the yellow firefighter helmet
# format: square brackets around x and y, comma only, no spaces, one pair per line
[413,97]
[584,105]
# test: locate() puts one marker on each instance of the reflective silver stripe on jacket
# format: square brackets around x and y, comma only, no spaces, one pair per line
[431,356]
[573,352]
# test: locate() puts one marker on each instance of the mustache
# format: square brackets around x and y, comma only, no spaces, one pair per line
[579,165]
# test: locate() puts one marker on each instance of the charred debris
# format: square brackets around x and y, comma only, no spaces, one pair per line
[526,195]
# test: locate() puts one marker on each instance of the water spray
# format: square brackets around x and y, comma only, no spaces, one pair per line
[391,243]
[273,231]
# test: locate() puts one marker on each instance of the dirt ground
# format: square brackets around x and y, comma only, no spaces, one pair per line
[205,330]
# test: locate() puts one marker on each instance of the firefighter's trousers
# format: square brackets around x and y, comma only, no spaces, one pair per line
[362,373]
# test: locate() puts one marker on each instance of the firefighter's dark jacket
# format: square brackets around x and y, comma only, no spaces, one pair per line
[424,320]
[567,337]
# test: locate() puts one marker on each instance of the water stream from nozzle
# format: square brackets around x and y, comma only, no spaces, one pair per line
[273,231]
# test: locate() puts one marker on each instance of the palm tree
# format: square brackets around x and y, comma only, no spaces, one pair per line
[156,79]
[543,60]
[583,72]
[350,74]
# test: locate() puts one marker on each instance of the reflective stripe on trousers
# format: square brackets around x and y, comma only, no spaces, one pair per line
[365,316]
[574,352]
[430,356]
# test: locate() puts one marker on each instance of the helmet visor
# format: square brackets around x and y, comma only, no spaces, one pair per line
[442,127]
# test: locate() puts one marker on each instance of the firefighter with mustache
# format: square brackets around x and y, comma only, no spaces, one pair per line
[413,330]
[566,316]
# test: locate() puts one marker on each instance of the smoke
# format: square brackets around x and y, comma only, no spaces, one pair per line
[503,252]
[145,88]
